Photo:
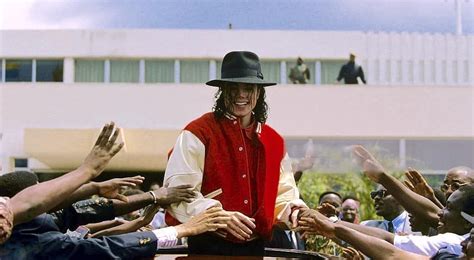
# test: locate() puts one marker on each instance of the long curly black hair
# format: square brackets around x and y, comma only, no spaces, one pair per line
[259,112]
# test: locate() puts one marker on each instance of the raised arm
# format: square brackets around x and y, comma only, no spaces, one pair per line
[42,197]
[411,201]
[107,189]
[369,245]
[288,200]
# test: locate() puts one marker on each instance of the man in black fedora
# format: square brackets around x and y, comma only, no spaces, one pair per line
[235,160]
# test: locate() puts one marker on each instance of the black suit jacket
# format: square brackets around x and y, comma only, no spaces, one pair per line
[41,239]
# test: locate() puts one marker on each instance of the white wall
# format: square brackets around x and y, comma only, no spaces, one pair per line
[295,111]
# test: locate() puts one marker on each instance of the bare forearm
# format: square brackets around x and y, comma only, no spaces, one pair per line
[44,196]
[135,202]
[83,192]
[372,246]
[128,227]
[411,201]
[96,227]
[371,231]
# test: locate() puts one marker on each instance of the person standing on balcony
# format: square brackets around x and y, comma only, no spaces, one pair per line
[351,71]
[233,159]
[299,74]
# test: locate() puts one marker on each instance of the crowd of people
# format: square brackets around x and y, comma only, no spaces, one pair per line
[230,189]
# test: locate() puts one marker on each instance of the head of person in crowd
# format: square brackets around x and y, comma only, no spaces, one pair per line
[14,182]
[450,218]
[385,204]
[455,178]
[241,90]
[155,186]
[134,214]
[419,225]
[333,198]
[468,244]
[299,61]
[352,57]
[350,210]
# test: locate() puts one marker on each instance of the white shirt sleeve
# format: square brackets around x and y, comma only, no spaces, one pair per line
[429,246]
[185,166]
[288,195]
[166,237]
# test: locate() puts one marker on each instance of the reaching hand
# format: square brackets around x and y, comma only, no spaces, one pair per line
[327,209]
[104,149]
[111,188]
[318,224]
[166,196]
[238,225]
[371,167]
[418,184]
[210,220]
[150,213]
[6,219]
[352,253]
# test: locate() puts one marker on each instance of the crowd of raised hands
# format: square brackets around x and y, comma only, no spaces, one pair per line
[456,219]
[61,192]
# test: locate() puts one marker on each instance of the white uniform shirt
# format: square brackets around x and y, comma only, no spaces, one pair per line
[429,246]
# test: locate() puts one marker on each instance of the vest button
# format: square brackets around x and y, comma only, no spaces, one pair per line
[241,148]
[244,175]
[235,122]
[246,202]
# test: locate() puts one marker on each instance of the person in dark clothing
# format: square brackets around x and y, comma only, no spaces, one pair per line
[351,71]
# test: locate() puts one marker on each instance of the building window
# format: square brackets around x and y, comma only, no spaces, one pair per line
[271,71]
[49,70]
[124,71]
[159,71]
[18,70]
[421,71]
[21,162]
[194,71]
[89,71]
[330,70]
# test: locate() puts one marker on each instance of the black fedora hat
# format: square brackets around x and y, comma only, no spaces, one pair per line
[240,67]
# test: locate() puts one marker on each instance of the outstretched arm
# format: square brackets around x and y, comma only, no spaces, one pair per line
[371,246]
[412,202]
[107,189]
[42,197]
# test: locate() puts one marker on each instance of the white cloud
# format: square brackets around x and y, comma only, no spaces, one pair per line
[38,14]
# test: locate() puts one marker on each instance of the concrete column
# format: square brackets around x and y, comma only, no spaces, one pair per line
[107,71]
[283,75]
[68,70]
[212,70]
[33,71]
[141,71]
[177,71]
[317,73]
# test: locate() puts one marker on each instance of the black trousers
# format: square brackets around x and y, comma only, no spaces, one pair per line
[209,244]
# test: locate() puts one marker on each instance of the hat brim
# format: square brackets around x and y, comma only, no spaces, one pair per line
[257,81]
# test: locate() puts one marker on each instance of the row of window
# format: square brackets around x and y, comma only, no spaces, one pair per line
[200,71]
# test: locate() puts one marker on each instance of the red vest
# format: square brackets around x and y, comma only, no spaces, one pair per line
[226,168]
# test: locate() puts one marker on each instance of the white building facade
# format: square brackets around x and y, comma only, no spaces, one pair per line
[58,86]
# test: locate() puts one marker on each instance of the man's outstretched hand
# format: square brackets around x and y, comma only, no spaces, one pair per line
[166,196]
[370,166]
[210,220]
[104,149]
[111,189]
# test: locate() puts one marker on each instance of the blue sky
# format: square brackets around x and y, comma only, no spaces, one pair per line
[361,15]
